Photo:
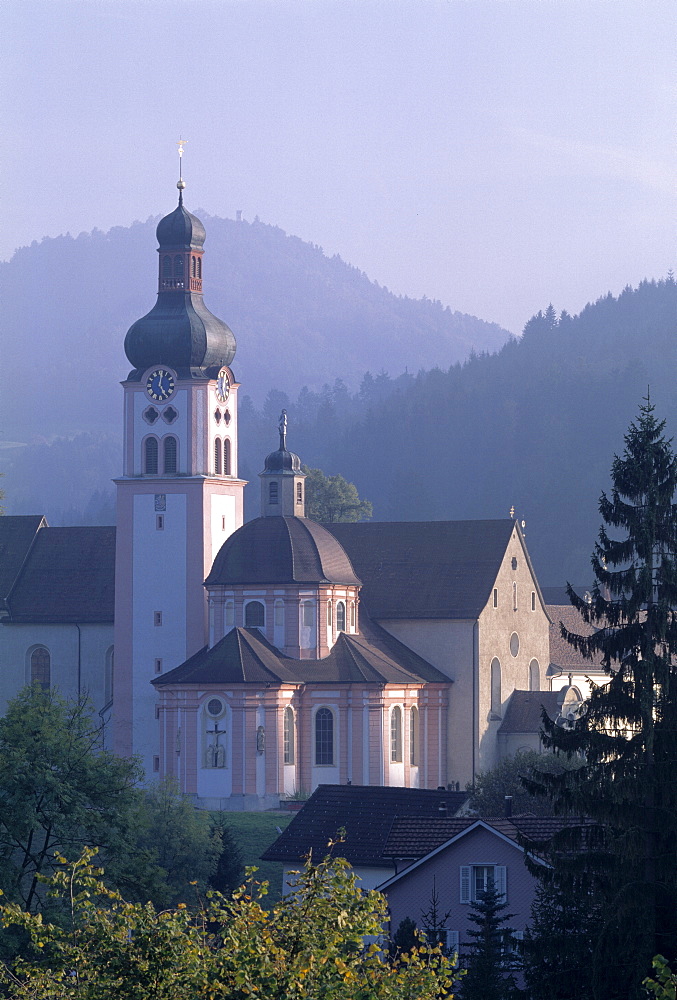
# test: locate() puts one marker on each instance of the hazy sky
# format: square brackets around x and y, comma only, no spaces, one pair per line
[494,154]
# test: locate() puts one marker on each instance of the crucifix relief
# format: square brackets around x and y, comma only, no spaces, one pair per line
[216,754]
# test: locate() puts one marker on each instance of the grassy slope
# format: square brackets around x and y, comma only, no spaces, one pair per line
[255,832]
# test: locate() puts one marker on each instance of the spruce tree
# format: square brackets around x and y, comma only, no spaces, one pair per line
[491,962]
[628,732]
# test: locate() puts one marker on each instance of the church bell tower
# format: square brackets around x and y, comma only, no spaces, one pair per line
[179,496]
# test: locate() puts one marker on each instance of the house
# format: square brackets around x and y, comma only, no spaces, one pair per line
[366,816]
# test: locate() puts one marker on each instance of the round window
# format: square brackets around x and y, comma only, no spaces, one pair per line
[215,706]
[514,644]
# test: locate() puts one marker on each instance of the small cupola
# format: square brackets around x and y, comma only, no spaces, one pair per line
[282,481]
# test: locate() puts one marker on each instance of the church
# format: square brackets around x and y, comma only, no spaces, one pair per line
[254,662]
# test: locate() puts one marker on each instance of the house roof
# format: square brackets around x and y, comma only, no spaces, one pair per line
[17,534]
[68,576]
[523,712]
[425,569]
[271,550]
[365,812]
[414,836]
[245,656]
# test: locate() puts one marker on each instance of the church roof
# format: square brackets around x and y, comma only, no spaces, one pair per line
[523,713]
[17,534]
[564,658]
[365,812]
[273,550]
[425,569]
[181,332]
[244,656]
[67,576]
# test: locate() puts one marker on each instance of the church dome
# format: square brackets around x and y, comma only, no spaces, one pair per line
[180,230]
[278,550]
[282,461]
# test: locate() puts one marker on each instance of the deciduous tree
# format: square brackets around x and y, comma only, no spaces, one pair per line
[332,498]
[310,946]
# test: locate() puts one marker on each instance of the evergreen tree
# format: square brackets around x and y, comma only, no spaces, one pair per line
[628,734]
[491,962]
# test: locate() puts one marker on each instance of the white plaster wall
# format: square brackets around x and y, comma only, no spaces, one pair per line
[370,878]
[159,584]
[179,400]
[62,643]
[448,645]
[220,506]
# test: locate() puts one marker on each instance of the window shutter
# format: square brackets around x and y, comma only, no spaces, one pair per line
[465,883]
[500,881]
[453,942]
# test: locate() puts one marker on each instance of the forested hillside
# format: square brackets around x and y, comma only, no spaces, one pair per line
[534,425]
[299,317]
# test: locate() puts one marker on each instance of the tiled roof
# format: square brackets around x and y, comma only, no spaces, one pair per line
[69,576]
[245,656]
[365,812]
[413,837]
[524,708]
[563,656]
[17,534]
[425,569]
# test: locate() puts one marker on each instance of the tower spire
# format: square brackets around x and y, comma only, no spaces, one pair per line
[181,183]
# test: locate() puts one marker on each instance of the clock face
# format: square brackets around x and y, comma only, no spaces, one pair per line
[222,386]
[160,384]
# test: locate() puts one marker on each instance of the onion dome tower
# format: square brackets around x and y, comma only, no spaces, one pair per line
[179,496]
[180,331]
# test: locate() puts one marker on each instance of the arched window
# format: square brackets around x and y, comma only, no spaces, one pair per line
[341,616]
[324,736]
[226,456]
[150,456]
[178,267]
[534,676]
[229,616]
[413,736]
[41,663]
[514,597]
[217,456]
[330,617]
[495,687]
[272,492]
[192,267]
[169,455]
[396,734]
[254,615]
[166,266]
[288,736]
[299,493]
[308,614]
[199,267]
[279,612]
